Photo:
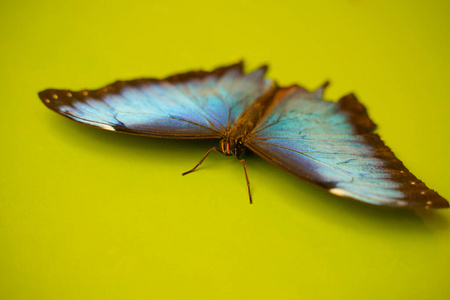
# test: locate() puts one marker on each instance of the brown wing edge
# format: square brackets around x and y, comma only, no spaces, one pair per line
[418,194]
[54,98]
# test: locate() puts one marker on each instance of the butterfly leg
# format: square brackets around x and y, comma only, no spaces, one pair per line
[201,160]
[246,177]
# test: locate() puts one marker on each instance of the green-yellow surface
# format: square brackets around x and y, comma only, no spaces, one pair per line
[92,214]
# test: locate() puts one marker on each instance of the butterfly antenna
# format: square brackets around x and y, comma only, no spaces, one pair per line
[201,160]
[246,177]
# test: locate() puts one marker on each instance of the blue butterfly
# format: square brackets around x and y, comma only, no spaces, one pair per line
[332,145]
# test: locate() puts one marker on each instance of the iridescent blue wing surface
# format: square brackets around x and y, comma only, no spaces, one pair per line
[334,146]
[191,105]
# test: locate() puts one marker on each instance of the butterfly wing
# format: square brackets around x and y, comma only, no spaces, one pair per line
[191,105]
[333,145]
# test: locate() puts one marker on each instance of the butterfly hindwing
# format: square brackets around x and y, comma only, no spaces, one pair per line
[190,105]
[333,145]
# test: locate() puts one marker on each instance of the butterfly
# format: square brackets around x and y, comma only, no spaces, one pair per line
[330,144]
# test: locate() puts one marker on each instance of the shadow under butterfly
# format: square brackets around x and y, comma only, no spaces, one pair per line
[332,145]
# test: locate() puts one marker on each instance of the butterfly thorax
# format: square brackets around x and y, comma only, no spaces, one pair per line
[232,146]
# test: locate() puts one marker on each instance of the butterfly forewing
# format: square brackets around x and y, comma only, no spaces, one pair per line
[190,105]
[333,145]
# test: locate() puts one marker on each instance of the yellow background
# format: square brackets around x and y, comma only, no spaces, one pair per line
[91,214]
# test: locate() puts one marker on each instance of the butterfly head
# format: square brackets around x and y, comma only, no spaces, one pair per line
[232,146]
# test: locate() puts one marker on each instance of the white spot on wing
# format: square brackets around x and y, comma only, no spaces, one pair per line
[339,192]
[344,193]
[107,127]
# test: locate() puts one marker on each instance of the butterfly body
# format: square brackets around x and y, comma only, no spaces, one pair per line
[235,138]
[330,144]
